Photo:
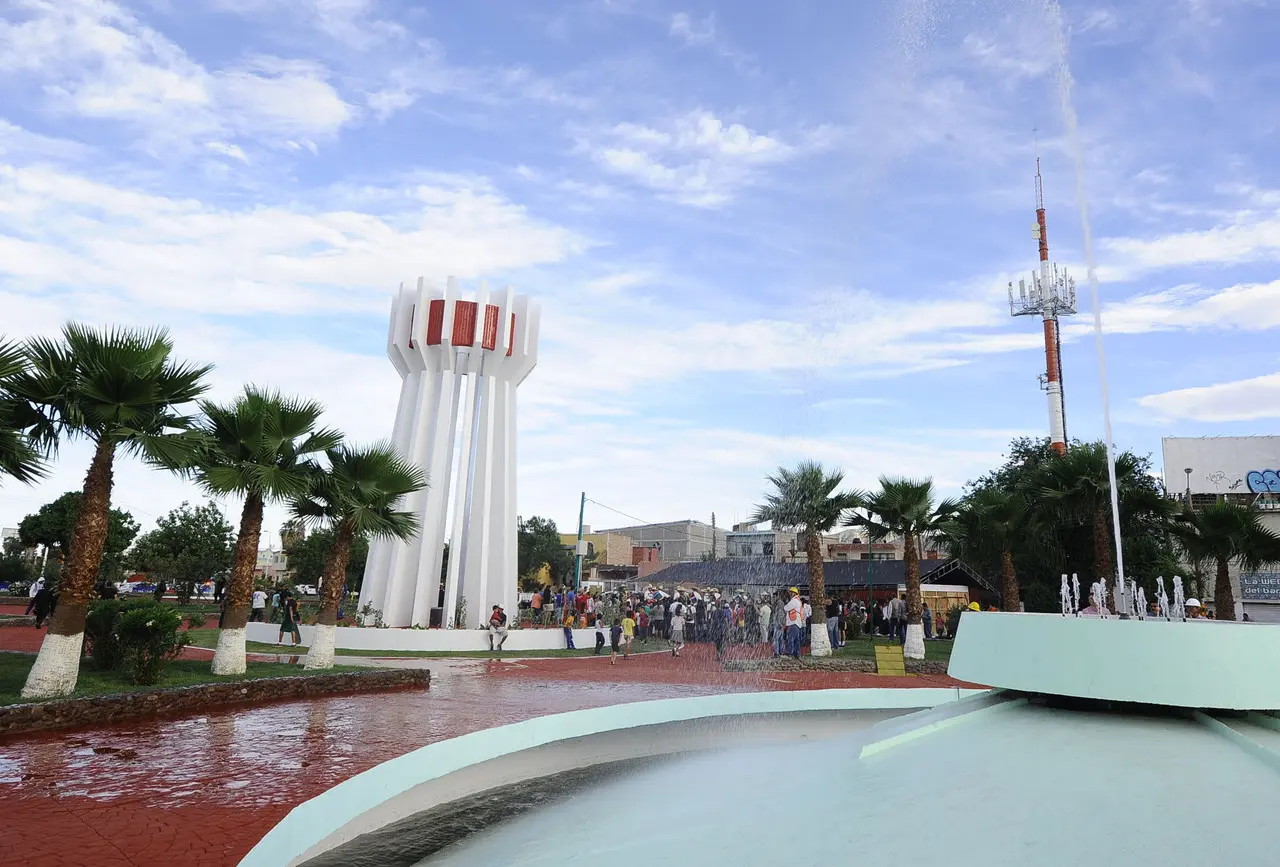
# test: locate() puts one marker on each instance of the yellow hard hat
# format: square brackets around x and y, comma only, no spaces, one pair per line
[795,590]
[974,606]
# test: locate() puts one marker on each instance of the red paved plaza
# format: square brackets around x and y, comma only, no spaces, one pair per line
[202,790]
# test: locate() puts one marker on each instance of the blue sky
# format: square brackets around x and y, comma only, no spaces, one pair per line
[757,235]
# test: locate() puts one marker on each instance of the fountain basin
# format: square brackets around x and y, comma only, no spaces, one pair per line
[453,640]
[1192,664]
[447,771]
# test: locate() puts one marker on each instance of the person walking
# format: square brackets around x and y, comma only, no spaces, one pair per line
[43,603]
[289,619]
[834,612]
[599,635]
[615,638]
[658,619]
[35,588]
[258,612]
[628,634]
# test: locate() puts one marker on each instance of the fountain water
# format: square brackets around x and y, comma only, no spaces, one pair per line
[1071,124]
[1142,604]
[1162,599]
[1065,596]
[1179,599]
[1075,592]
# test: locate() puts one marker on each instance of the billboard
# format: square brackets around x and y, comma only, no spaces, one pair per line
[1222,465]
[1260,586]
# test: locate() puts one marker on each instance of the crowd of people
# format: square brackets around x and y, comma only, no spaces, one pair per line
[685,614]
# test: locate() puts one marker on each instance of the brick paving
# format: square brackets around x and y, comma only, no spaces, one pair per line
[202,790]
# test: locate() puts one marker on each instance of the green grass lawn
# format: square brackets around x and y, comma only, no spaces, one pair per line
[862,648]
[209,638]
[179,672]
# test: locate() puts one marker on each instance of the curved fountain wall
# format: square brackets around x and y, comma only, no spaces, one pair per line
[385,793]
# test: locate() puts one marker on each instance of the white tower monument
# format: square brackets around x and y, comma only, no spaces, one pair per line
[460,362]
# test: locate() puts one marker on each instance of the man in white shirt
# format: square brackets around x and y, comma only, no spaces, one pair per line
[794,618]
[259,606]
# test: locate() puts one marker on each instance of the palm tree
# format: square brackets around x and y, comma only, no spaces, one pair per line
[259,446]
[983,531]
[806,500]
[905,507]
[115,388]
[358,496]
[1076,487]
[1225,533]
[19,458]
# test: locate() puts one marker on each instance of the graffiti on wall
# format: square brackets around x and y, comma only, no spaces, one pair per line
[1264,481]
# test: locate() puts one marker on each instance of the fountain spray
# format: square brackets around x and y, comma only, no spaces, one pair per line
[1071,123]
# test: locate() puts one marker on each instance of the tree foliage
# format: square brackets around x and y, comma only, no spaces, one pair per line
[53,525]
[190,545]
[1067,498]
[307,556]
[538,544]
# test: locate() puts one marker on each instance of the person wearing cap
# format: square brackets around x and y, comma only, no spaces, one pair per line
[793,617]
[1194,609]
[497,627]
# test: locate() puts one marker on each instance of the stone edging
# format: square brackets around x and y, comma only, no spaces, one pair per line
[808,663]
[804,663]
[17,620]
[106,709]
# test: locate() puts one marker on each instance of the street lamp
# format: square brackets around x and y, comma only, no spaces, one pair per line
[1188,472]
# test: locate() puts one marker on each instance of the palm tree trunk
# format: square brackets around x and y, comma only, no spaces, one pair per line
[1009,590]
[57,666]
[819,641]
[1102,556]
[324,639]
[229,656]
[1224,601]
[913,647]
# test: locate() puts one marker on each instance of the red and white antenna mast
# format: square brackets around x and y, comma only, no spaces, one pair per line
[1051,294]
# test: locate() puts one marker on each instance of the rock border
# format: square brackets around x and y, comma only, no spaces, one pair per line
[21,719]
[808,663]
[17,620]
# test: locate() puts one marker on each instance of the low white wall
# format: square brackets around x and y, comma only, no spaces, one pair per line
[351,638]
[312,822]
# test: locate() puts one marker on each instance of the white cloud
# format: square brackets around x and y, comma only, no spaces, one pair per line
[696,158]
[692,32]
[1249,236]
[227,150]
[1245,307]
[97,60]
[1242,400]
[178,253]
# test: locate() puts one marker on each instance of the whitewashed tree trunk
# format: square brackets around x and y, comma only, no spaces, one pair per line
[819,641]
[323,642]
[914,647]
[228,658]
[56,668]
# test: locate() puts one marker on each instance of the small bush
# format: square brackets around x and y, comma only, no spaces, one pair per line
[150,636]
[953,620]
[100,639]
[195,620]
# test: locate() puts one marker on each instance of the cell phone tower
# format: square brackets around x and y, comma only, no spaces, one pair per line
[1051,293]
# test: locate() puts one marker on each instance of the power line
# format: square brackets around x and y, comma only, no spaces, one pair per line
[665,527]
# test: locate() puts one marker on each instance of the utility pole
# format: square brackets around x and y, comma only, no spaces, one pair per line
[713,537]
[577,569]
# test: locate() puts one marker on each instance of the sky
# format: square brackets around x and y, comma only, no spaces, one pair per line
[758,232]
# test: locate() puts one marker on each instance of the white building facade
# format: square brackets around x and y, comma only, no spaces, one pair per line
[460,361]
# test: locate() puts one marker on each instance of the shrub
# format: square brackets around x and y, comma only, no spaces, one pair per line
[150,636]
[953,620]
[100,639]
[19,588]
[195,620]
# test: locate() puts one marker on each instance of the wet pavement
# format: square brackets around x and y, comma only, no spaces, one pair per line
[202,790]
